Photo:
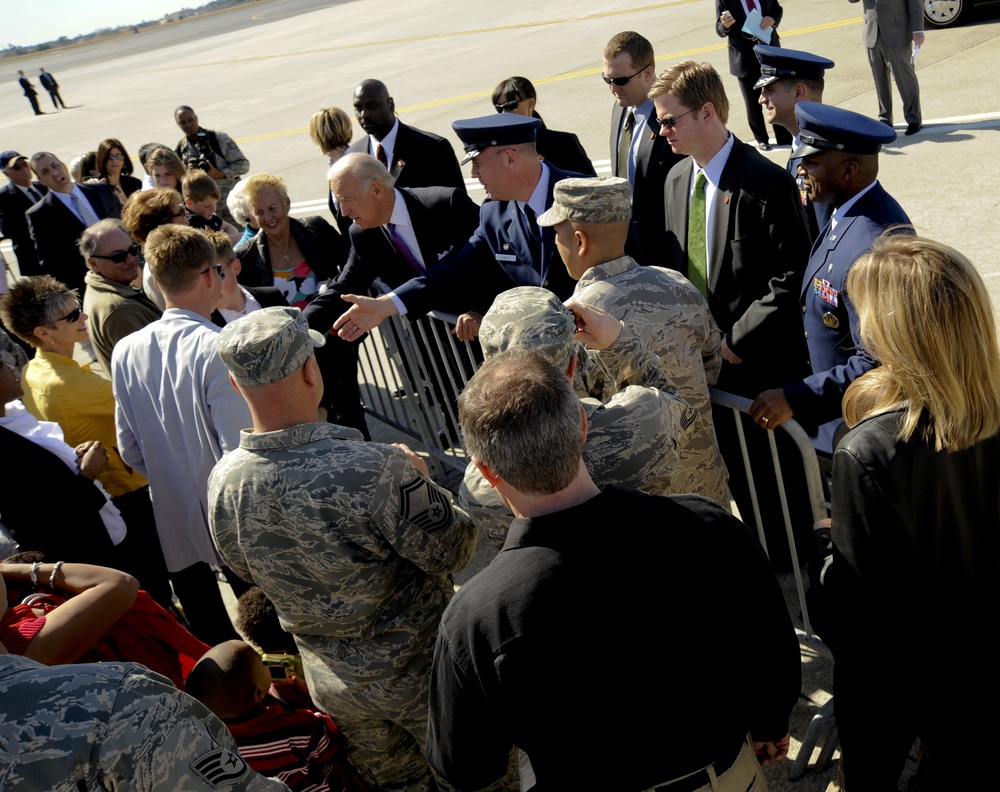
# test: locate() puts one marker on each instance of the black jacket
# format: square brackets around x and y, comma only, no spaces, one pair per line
[317,240]
[14,225]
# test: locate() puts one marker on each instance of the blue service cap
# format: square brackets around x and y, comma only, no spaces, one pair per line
[778,63]
[506,129]
[828,128]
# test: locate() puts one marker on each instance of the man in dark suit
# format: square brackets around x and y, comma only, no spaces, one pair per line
[414,158]
[892,27]
[30,92]
[637,152]
[507,249]
[839,154]
[58,220]
[788,77]
[49,84]
[743,65]
[16,198]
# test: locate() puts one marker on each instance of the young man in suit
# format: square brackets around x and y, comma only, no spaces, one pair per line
[49,84]
[892,27]
[415,158]
[638,153]
[58,220]
[16,198]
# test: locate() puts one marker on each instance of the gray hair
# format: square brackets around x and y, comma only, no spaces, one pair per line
[362,167]
[520,417]
[88,243]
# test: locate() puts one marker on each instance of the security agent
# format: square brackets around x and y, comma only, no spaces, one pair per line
[508,248]
[839,152]
[788,77]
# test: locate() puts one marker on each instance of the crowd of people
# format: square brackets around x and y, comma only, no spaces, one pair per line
[219,432]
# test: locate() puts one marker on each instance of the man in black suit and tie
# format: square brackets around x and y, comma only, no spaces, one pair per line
[638,153]
[414,158]
[29,91]
[16,198]
[49,84]
[58,220]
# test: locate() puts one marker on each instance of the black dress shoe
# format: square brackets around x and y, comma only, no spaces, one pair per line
[912,129]
[763,145]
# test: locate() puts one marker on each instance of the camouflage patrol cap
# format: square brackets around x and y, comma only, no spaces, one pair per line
[605,200]
[529,317]
[10,352]
[267,345]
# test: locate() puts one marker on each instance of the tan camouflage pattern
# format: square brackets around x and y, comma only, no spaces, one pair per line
[267,345]
[10,352]
[645,436]
[355,549]
[529,317]
[111,726]
[596,200]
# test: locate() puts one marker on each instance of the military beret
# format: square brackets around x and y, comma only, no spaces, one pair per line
[602,200]
[532,318]
[828,128]
[266,346]
[506,129]
[778,63]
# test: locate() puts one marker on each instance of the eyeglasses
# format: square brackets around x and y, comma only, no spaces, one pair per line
[72,316]
[116,157]
[218,268]
[120,256]
[622,81]
[671,121]
[509,106]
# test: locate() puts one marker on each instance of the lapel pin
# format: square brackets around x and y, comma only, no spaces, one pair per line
[725,200]
[400,163]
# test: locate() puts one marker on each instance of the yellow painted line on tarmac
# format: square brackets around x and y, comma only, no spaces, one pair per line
[669,57]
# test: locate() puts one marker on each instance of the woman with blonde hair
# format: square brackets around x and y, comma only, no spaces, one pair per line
[331,131]
[916,520]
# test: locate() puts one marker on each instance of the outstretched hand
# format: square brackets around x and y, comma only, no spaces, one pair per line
[365,313]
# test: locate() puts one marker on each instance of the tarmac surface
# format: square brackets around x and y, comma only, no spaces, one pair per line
[259,72]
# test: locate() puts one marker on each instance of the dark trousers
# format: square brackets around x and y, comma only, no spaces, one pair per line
[139,553]
[54,93]
[338,363]
[34,104]
[755,114]
[198,590]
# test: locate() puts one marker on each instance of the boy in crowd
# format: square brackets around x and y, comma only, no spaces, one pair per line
[201,197]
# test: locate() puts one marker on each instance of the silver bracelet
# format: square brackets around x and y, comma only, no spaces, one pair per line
[52,577]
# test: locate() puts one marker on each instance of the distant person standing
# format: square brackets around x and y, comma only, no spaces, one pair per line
[49,84]
[30,92]
[211,151]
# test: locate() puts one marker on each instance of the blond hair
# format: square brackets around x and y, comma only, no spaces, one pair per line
[260,183]
[926,315]
[330,128]
[693,84]
[199,186]
[176,255]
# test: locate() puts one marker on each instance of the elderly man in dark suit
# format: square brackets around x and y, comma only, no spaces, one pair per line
[637,152]
[892,27]
[507,249]
[58,220]
[414,158]
[16,198]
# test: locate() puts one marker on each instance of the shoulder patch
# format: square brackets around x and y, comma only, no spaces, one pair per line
[220,767]
[424,505]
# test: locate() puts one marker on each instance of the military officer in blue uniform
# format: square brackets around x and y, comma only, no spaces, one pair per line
[508,248]
[788,77]
[839,151]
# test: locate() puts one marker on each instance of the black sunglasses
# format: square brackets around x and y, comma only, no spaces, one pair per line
[118,257]
[217,268]
[671,121]
[72,316]
[620,81]
[508,106]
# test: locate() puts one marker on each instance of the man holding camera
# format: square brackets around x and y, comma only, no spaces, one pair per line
[211,151]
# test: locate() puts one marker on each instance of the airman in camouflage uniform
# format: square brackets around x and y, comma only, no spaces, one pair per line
[645,436]
[105,726]
[350,541]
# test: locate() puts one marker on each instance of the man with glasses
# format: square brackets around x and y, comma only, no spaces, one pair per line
[59,219]
[16,198]
[177,415]
[115,307]
[637,152]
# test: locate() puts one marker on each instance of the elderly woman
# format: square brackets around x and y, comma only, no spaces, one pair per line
[298,257]
[916,520]
[57,390]
[115,168]
[561,149]
[165,169]
[145,211]
[238,207]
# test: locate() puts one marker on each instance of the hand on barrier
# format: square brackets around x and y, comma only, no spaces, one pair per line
[365,314]
[467,326]
[776,751]
[771,409]
[595,328]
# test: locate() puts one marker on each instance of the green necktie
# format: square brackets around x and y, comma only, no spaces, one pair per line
[625,145]
[697,254]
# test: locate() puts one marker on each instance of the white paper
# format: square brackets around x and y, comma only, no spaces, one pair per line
[752,27]
[913,57]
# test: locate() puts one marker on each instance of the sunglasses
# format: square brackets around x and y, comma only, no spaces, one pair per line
[218,268]
[508,107]
[116,157]
[622,81]
[671,121]
[119,257]
[72,316]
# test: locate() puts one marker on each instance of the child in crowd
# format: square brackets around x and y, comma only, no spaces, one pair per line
[299,747]
[201,196]
[236,300]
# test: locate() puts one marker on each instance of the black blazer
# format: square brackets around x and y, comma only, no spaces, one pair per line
[760,246]
[742,60]
[420,159]
[55,231]
[316,238]
[130,184]
[443,220]
[564,150]
[14,225]
[267,296]
[654,160]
